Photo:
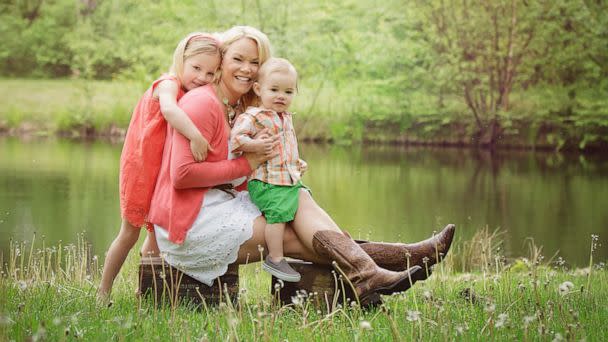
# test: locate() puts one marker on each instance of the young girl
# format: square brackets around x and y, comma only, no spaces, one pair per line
[195,62]
[274,186]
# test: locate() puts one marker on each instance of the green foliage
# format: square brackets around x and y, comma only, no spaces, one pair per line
[396,68]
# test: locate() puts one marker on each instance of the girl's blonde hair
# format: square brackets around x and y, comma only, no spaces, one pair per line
[193,44]
[264,52]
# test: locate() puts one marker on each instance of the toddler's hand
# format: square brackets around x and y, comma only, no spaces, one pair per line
[303,166]
[266,144]
[262,134]
[199,148]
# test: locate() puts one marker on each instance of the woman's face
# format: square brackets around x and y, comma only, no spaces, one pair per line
[240,67]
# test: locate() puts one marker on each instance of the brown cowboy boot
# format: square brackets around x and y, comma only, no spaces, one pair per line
[393,256]
[366,277]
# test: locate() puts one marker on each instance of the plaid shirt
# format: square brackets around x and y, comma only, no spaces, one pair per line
[286,167]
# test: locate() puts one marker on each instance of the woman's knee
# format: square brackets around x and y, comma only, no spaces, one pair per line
[311,216]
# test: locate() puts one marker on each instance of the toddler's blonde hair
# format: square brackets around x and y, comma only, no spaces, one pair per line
[193,44]
[275,64]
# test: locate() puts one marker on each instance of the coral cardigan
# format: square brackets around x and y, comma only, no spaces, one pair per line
[182,182]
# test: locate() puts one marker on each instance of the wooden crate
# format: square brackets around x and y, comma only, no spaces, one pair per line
[320,285]
[167,284]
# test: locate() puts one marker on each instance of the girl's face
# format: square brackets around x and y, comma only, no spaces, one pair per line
[239,68]
[199,70]
[276,90]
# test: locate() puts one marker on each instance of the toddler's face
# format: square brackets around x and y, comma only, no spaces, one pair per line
[199,70]
[277,89]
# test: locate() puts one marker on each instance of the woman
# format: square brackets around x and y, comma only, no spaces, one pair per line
[201,227]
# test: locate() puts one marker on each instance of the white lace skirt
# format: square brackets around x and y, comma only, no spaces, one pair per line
[213,241]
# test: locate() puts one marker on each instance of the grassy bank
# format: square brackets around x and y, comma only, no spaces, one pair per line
[541,118]
[49,294]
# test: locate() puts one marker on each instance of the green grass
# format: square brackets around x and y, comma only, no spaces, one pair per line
[354,112]
[64,105]
[49,294]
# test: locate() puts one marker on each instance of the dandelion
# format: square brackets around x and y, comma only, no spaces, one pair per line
[501,321]
[565,287]
[297,300]
[279,285]
[528,320]
[365,325]
[413,316]
[490,307]
[594,242]
[558,337]
[425,260]
[22,285]
[460,329]
[260,249]
[427,295]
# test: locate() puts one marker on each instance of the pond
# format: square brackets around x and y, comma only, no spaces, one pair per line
[60,188]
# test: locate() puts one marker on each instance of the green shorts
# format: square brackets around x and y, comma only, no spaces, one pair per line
[278,203]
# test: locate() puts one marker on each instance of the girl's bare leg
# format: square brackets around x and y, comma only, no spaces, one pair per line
[116,255]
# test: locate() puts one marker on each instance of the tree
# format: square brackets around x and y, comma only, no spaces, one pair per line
[481,44]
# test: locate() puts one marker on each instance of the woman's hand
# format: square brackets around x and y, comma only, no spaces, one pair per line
[264,154]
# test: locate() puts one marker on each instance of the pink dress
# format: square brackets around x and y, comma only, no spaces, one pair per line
[142,155]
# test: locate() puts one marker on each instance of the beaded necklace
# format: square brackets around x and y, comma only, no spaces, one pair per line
[231,110]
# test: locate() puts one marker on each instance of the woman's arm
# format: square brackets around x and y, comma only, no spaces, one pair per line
[175,116]
[186,173]
[207,116]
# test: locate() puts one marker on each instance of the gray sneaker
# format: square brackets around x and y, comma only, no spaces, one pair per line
[282,270]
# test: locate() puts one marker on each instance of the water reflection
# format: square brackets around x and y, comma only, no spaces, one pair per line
[59,188]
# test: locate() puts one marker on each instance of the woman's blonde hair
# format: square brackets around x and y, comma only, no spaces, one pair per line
[264,52]
[193,44]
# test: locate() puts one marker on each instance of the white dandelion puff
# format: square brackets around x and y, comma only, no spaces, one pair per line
[565,287]
[413,316]
[502,320]
[365,325]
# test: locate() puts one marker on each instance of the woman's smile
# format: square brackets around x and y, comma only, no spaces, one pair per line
[239,68]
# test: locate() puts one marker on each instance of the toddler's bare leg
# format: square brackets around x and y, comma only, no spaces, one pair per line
[292,246]
[274,240]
